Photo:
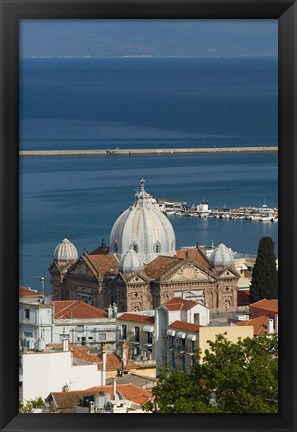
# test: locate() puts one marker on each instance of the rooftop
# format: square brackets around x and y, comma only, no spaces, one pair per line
[177,303]
[71,309]
[28,292]
[181,325]
[259,324]
[137,318]
[268,305]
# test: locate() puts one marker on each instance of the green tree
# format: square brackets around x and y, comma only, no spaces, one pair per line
[264,282]
[31,405]
[232,378]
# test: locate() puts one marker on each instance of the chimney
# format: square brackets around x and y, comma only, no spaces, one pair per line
[125,349]
[276,323]
[109,311]
[91,407]
[270,326]
[114,387]
[65,345]
[115,310]
[103,376]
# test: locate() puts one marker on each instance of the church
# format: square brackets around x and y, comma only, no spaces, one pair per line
[141,268]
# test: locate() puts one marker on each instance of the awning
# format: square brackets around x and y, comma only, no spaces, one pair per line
[191,337]
[170,332]
[148,329]
[181,335]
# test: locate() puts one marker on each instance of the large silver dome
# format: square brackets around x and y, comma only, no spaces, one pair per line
[144,228]
[221,256]
[65,251]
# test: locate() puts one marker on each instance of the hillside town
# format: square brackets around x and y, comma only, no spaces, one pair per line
[122,313]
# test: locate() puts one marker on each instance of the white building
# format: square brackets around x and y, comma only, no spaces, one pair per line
[44,321]
[41,373]
[176,309]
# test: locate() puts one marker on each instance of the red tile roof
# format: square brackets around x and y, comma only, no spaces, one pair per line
[68,309]
[259,324]
[137,318]
[113,362]
[177,303]
[28,292]
[195,255]
[160,265]
[268,305]
[105,264]
[131,392]
[101,250]
[181,325]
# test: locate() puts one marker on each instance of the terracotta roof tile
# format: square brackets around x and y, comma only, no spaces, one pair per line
[67,309]
[268,305]
[160,265]
[28,292]
[113,362]
[177,303]
[195,255]
[259,324]
[181,325]
[68,399]
[105,264]
[137,318]
[101,250]
[128,391]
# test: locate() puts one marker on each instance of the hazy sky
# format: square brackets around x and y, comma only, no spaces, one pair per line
[100,38]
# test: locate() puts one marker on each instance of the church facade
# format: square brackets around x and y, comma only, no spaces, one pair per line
[141,269]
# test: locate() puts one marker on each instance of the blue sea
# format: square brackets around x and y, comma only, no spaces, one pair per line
[143,103]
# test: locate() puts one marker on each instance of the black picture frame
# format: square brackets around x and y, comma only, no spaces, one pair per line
[286,13]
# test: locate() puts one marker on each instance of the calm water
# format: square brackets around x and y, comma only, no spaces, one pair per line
[143,103]
[101,103]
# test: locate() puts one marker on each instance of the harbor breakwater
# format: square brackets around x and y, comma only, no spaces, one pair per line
[131,152]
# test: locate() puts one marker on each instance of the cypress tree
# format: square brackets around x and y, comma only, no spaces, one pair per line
[264,282]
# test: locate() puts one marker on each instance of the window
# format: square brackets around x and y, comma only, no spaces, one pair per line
[135,247]
[171,342]
[172,360]
[124,331]
[101,337]
[157,248]
[149,337]
[28,334]
[193,346]
[27,313]
[137,334]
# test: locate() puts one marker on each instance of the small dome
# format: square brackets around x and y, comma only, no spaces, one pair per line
[131,261]
[221,256]
[65,251]
[144,228]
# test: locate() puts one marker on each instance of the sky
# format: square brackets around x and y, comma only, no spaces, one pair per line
[117,38]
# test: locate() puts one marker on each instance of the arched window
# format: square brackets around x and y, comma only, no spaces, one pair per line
[157,248]
[115,246]
[135,247]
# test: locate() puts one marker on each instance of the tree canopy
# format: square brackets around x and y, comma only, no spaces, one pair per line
[31,405]
[264,282]
[232,378]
